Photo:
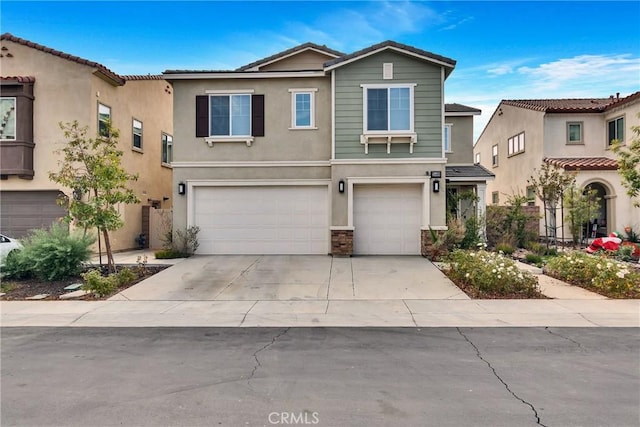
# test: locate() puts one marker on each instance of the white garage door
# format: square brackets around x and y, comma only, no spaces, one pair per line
[262,220]
[387,219]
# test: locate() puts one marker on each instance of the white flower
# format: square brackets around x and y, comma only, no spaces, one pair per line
[499,276]
[494,270]
[620,274]
[467,275]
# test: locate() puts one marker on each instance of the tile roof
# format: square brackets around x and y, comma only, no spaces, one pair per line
[579,105]
[459,108]
[391,44]
[289,52]
[469,172]
[130,77]
[19,79]
[583,163]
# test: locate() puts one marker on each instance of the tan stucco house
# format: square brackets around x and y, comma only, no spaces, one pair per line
[41,87]
[572,134]
[313,151]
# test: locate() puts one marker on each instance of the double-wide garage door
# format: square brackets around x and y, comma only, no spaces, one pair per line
[387,219]
[22,211]
[262,219]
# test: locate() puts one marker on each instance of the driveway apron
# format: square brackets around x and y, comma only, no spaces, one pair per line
[295,278]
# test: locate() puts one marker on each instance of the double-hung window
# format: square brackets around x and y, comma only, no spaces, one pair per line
[230,115]
[137,134]
[615,130]
[302,108]
[7,118]
[494,155]
[104,119]
[388,109]
[167,148]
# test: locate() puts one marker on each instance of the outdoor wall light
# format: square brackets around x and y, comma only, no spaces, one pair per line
[341,186]
[436,185]
[182,188]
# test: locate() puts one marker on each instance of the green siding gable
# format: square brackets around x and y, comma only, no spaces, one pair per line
[349,109]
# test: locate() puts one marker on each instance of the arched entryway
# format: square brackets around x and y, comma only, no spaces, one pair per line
[599,219]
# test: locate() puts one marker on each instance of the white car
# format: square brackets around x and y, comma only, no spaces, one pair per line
[7,244]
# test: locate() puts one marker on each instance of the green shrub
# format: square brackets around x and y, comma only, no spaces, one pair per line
[51,254]
[505,248]
[533,259]
[16,266]
[125,276]
[471,236]
[607,276]
[490,275]
[537,248]
[99,284]
[169,254]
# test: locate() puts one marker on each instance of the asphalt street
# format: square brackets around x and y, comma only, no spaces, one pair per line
[320,376]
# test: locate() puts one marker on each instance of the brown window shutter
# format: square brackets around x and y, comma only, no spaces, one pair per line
[257,115]
[202,115]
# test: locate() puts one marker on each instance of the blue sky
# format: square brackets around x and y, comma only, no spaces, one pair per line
[504,50]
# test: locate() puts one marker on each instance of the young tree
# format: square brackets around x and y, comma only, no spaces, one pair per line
[92,168]
[629,164]
[550,183]
[580,206]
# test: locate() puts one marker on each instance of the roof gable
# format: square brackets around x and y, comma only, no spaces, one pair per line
[424,55]
[289,53]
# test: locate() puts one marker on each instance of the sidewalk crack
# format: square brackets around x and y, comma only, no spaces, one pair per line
[237,277]
[330,275]
[495,373]
[258,364]
[353,284]
[247,313]
[410,312]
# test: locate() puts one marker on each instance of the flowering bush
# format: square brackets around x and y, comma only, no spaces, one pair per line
[485,274]
[599,273]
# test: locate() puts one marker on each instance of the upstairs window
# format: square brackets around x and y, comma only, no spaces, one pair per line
[477,158]
[104,118]
[137,134]
[574,133]
[167,148]
[230,115]
[446,138]
[494,155]
[388,108]
[516,144]
[615,130]
[8,118]
[303,108]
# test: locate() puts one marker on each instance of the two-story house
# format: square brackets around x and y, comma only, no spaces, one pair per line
[41,87]
[311,151]
[572,134]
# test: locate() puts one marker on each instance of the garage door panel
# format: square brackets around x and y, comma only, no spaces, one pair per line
[22,211]
[387,219]
[262,219]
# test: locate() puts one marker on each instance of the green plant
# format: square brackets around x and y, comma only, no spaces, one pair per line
[472,228]
[125,276]
[187,241]
[629,164]
[490,275]
[99,284]
[17,265]
[51,254]
[631,235]
[624,253]
[169,254]
[533,259]
[536,248]
[141,266]
[505,248]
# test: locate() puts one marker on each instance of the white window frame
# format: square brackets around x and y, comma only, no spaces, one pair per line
[494,156]
[100,120]
[365,124]
[134,130]
[230,93]
[477,158]
[294,112]
[168,147]
[515,144]
[446,138]
[10,114]
[579,141]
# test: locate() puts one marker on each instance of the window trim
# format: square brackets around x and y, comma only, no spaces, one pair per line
[444,142]
[15,118]
[294,112]
[511,142]
[162,148]
[365,124]
[477,159]
[133,134]
[110,118]
[581,140]
[495,197]
[494,155]
[609,139]
[230,95]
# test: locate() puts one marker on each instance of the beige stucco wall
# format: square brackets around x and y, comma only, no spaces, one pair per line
[279,142]
[66,91]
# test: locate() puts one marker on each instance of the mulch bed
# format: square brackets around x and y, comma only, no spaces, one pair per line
[17,290]
[474,293]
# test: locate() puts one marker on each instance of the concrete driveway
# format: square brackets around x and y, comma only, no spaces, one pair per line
[295,278]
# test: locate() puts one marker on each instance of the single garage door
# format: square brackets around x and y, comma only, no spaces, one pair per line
[21,211]
[262,220]
[387,219]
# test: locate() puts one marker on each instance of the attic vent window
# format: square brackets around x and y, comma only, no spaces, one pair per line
[387,71]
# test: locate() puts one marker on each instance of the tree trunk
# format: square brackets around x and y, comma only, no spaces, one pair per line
[111,265]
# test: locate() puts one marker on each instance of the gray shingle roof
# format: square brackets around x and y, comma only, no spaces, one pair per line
[473,172]
[288,52]
[459,108]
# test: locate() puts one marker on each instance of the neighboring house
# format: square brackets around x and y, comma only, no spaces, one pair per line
[311,151]
[41,87]
[572,134]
